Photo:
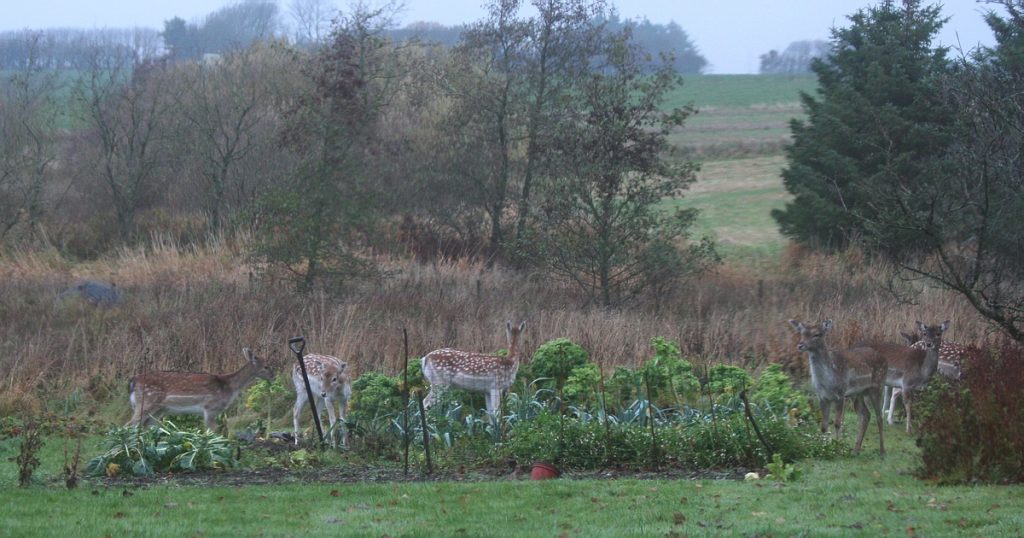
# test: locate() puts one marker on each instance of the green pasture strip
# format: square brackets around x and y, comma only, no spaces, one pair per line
[741,90]
[735,199]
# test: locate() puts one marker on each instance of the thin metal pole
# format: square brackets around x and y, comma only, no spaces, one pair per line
[426,433]
[297,345]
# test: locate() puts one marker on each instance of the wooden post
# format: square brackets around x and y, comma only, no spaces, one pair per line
[405,400]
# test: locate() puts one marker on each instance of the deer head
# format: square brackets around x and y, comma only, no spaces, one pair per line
[257,366]
[812,336]
[513,333]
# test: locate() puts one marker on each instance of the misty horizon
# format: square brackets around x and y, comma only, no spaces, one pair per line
[732,37]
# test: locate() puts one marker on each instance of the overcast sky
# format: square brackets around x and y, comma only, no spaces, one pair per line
[731,34]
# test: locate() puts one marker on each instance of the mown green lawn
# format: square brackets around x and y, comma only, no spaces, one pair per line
[860,495]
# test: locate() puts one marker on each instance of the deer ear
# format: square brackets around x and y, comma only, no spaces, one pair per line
[247,352]
[945,325]
[342,367]
[827,325]
[909,338]
[921,328]
[522,326]
[796,325]
[508,325]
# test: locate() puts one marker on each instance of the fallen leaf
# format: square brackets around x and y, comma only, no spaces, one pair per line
[910,531]
[119,515]
[171,505]
[780,520]
[678,518]
[891,506]
[759,514]
[335,493]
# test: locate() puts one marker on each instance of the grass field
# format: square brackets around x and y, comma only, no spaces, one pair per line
[738,115]
[860,495]
[735,198]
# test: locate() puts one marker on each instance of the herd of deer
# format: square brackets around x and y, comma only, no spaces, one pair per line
[862,373]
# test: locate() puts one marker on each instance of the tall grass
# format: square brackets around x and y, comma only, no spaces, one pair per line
[192,308]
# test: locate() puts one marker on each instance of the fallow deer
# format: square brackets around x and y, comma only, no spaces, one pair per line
[858,373]
[477,372]
[910,368]
[331,386]
[951,357]
[153,394]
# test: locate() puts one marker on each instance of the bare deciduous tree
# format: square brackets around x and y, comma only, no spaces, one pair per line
[28,138]
[126,112]
[312,20]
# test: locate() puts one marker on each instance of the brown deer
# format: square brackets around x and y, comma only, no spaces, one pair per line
[331,387]
[476,372]
[858,373]
[153,394]
[950,359]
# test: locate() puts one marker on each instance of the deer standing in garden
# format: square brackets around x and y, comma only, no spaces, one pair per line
[331,386]
[153,394]
[858,373]
[910,368]
[476,372]
[951,358]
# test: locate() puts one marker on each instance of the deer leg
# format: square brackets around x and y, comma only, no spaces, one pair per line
[906,406]
[840,416]
[341,419]
[329,404]
[865,416]
[876,403]
[493,401]
[431,396]
[210,417]
[896,392]
[300,402]
[826,408]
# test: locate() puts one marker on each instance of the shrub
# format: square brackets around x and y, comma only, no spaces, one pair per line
[168,448]
[670,377]
[556,359]
[375,396]
[582,384]
[973,429]
[775,389]
[727,380]
[698,444]
[621,387]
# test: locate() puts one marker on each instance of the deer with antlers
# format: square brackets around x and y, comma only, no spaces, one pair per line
[477,372]
[331,387]
[858,373]
[153,394]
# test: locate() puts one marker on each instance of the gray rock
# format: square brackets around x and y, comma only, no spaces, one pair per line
[94,292]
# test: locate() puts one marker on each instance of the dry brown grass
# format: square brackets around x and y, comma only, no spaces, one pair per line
[194,309]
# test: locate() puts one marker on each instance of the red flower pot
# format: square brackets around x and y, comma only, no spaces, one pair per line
[544,471]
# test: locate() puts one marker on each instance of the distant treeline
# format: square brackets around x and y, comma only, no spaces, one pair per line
[655,38]
[76,48]
[239,26]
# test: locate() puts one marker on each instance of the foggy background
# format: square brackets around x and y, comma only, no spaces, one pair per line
[731,35]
